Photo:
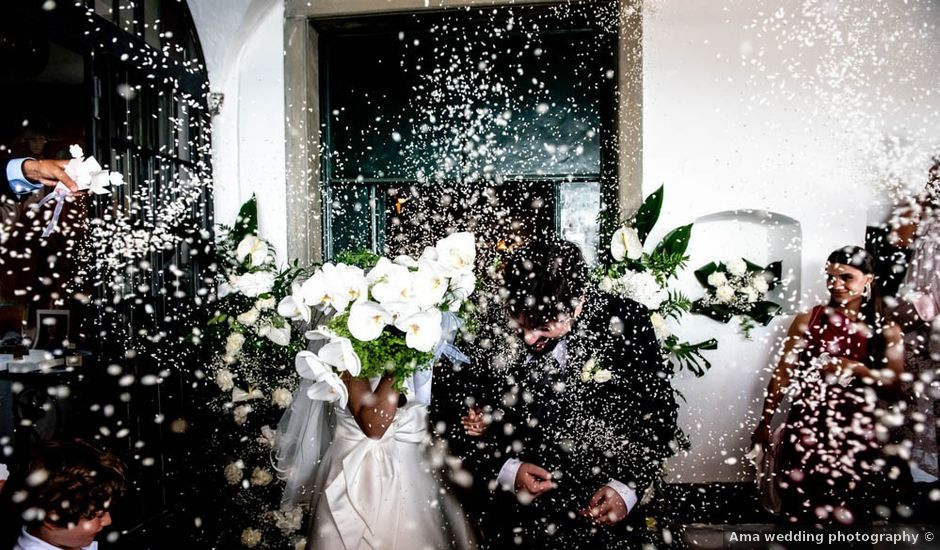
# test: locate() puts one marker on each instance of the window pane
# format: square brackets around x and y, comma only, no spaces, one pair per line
[152,23]
[351,217]
[105,8]
[534,109]
[579,204]
[127,15]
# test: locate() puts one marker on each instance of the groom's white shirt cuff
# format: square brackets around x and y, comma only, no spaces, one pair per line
[507,480]
[18,182]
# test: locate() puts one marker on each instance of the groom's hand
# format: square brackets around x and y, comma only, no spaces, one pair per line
[533,480]
[606,507]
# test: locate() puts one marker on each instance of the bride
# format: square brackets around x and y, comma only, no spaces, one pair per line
[374,488]
[355,451]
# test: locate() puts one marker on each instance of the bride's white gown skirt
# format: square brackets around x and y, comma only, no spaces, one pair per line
[380,493]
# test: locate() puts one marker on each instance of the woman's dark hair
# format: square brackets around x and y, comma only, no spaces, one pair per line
[66,482]
[543,279]
[871,311]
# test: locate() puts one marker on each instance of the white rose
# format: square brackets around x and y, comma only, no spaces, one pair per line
[602,376]
[724,293]
[268,437]
[737,267]
[643,288]
[234,343]
[225,380]
[265,303]
[606,284]
[240,414]
[289,521]
[759,282]
[589,365]
[586,375]
[281,398]
[261,477]
[751,294]
[717,279]
[248,318]
[233,472]
[253,284]
[625,243]
[251,538]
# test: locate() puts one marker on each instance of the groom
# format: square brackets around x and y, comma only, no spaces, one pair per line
[587,415]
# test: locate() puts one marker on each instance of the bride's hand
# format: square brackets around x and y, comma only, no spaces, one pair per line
[474,423]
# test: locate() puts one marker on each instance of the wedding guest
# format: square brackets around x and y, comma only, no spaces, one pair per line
[20,177]
[587,413]
[63,496]
[917,310]
[830,464]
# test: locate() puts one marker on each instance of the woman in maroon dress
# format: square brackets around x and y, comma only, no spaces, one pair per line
[840,362]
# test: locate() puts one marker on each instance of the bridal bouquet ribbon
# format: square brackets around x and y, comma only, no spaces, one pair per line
[90,177]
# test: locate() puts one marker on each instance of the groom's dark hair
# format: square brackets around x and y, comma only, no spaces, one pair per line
[543,279]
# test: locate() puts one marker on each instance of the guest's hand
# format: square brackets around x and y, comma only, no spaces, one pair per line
[533,479]
[474,423]
[605,508]
[48,173]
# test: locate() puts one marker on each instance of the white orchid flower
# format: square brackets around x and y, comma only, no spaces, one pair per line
[327,385]
[392,283]
[367,321]
[406,261]
[254,248]
[339,353]
[280,336]
[402,309]
[351,285]
[626,244]
[456,252]
[239,395]
[422,330]
[429,254]
[330,388]
[293,307]
[326,288]
[429,284]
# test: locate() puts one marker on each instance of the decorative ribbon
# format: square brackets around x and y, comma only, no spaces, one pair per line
[58,195]
[363,496]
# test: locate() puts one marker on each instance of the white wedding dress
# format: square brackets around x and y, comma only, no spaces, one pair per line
[381,494]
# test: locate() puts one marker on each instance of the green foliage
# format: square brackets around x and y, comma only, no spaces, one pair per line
[648,214]
[246,223]
[387,354]
[365,259]
[675,305]
[689,356]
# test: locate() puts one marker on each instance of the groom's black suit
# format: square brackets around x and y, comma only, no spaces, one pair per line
[585,432]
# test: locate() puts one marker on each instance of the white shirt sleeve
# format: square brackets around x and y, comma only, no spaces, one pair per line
[18,182]
[627,494]
[507,474]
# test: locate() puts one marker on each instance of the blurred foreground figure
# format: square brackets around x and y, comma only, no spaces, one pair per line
[63,496]
[917,310]
[841,365]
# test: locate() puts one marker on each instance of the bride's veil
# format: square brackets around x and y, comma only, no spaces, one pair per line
[303,436]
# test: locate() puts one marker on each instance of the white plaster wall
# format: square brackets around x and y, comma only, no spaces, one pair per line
[724,133]
[243,41]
